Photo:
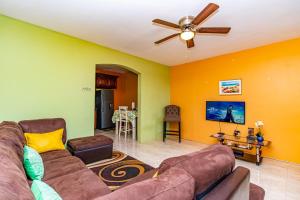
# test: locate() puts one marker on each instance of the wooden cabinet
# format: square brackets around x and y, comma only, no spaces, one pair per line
[104,81]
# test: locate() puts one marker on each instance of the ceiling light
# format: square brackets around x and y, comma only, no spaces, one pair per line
[187,34]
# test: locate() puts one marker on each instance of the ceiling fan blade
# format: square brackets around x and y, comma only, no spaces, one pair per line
[190,43]
[208,10]
[165,23]
[167,38]
[221,30]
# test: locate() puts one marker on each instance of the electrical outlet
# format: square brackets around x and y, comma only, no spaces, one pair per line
[86,89]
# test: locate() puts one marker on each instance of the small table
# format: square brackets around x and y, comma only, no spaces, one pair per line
[240,145]
[132,115]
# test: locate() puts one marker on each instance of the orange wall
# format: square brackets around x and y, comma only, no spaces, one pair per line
[127,90]
[127,85]
[271,89]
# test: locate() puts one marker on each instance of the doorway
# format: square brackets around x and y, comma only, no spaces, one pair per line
[115,86]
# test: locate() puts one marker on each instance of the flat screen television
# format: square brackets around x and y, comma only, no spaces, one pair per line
[226,111]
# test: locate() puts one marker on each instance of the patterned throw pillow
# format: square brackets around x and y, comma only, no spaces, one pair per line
[42,191]
[33,164]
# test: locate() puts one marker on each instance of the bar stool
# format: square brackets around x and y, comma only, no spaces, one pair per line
[123,121]
[172,115]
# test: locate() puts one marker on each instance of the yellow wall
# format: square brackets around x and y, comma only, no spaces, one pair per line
[46,74]
[271,89]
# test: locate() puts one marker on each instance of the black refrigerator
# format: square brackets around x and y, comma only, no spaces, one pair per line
[104,108]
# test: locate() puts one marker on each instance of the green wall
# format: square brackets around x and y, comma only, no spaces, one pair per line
[43,73]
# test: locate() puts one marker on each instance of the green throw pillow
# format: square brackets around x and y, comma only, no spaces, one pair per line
[42,191]
[33,164]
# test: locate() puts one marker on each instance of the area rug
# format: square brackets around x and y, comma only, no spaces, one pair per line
[118,170]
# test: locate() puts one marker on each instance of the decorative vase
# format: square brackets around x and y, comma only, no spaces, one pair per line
[260,138]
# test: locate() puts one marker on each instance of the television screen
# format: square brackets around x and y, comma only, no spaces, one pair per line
[226,111]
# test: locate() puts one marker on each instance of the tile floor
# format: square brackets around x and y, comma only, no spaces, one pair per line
[281,180]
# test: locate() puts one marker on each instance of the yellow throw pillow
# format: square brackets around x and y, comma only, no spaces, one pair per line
[43,142]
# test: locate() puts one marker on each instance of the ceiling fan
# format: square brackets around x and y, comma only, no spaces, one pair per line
[187,26]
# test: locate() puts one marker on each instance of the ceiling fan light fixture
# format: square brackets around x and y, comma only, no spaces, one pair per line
[187,34]
[187,26]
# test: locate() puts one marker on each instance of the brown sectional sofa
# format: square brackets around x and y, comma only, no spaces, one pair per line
[67,174]
[207,174]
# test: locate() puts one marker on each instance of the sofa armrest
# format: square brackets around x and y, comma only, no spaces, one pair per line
[206,166]
[235,186]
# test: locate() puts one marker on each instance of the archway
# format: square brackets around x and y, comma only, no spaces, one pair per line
[116,85]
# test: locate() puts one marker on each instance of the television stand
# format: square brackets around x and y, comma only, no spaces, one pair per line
[242,147]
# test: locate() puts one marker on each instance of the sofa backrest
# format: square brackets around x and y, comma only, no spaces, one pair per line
[12,139]
[175,184]
[13,127]
[207,166]
[13,181]
[44,125]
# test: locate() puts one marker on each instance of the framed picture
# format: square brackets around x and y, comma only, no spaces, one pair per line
[230,87]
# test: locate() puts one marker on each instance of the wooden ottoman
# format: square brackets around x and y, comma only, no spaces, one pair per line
[91,149]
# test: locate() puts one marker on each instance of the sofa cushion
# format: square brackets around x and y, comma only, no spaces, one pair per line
[13,181]
[43,191]
[8,152]
[175,184]
[44,126]
[52,155]
[62,166]
[15,128]
[33,164]
[80,185]
[206,166]
[12,136]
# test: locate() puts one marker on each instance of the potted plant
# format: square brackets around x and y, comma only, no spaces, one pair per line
[259,134]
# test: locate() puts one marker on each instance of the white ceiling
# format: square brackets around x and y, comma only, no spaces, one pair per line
[126,25]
